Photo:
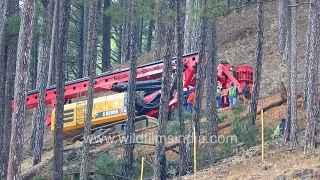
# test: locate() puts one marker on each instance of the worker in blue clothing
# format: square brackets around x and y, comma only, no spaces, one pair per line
[186,94]
[191,99]
[233,93]
[219,98]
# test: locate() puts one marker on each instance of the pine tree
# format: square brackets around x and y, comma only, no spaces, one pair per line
[310,36]
[196,115]
[53,45]
[81,42]
[18,117]
[127,165]
[293,74]
[188,27]
[180,68]
[287,59]
[257,66]
[106,39]
[312,94]
[126,31]
[12,45]
[160,170]
[283,9]
[211,80]
[62,37]
[91,57]
[3,31]
[159,30]
[44,55]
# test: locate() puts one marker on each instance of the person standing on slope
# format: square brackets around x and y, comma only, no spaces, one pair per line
[233,94]
[186,94]
[190,100]
[219,98]
[246,92]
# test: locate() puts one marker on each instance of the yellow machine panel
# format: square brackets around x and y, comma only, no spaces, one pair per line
[106,109]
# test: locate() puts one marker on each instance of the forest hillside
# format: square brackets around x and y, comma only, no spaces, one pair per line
[75,105]
[236,41]
[237,36]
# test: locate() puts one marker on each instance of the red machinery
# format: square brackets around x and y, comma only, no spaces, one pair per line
[111,81]
[239,75]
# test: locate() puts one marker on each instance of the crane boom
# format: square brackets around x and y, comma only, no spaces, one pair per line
[114,81]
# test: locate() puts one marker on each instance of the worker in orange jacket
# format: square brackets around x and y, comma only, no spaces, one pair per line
[190,100]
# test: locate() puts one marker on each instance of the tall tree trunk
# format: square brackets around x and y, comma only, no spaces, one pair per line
[62,28]
[188,27]
[120,40]
[195,25]
[126,31]
[180,68]
[312,94]
[34,59]
[159,29]
[39,64]
[91,56]
[119,45]
[196,115]
[85,32]
[81,43]
[283,9]
[200,69]
[310,36]
[257,67]
[18,117]
[287,58]
[211,114]
[293,75]
[3,31]
[160,170]
[43,79]
[140,35]
[106,39]
[11,66]
[53,46]
[127,165]
[149,37]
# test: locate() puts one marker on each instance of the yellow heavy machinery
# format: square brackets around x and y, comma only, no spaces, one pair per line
[106,110]
[108,115]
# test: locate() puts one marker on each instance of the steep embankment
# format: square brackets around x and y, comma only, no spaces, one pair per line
[280,163]
[237,42]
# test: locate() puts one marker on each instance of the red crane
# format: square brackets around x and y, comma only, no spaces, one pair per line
[116,81]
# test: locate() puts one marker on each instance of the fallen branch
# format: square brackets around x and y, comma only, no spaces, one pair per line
[32,171]
[168,148]
[279,103]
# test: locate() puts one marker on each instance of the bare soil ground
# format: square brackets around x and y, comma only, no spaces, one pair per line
[279,163]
